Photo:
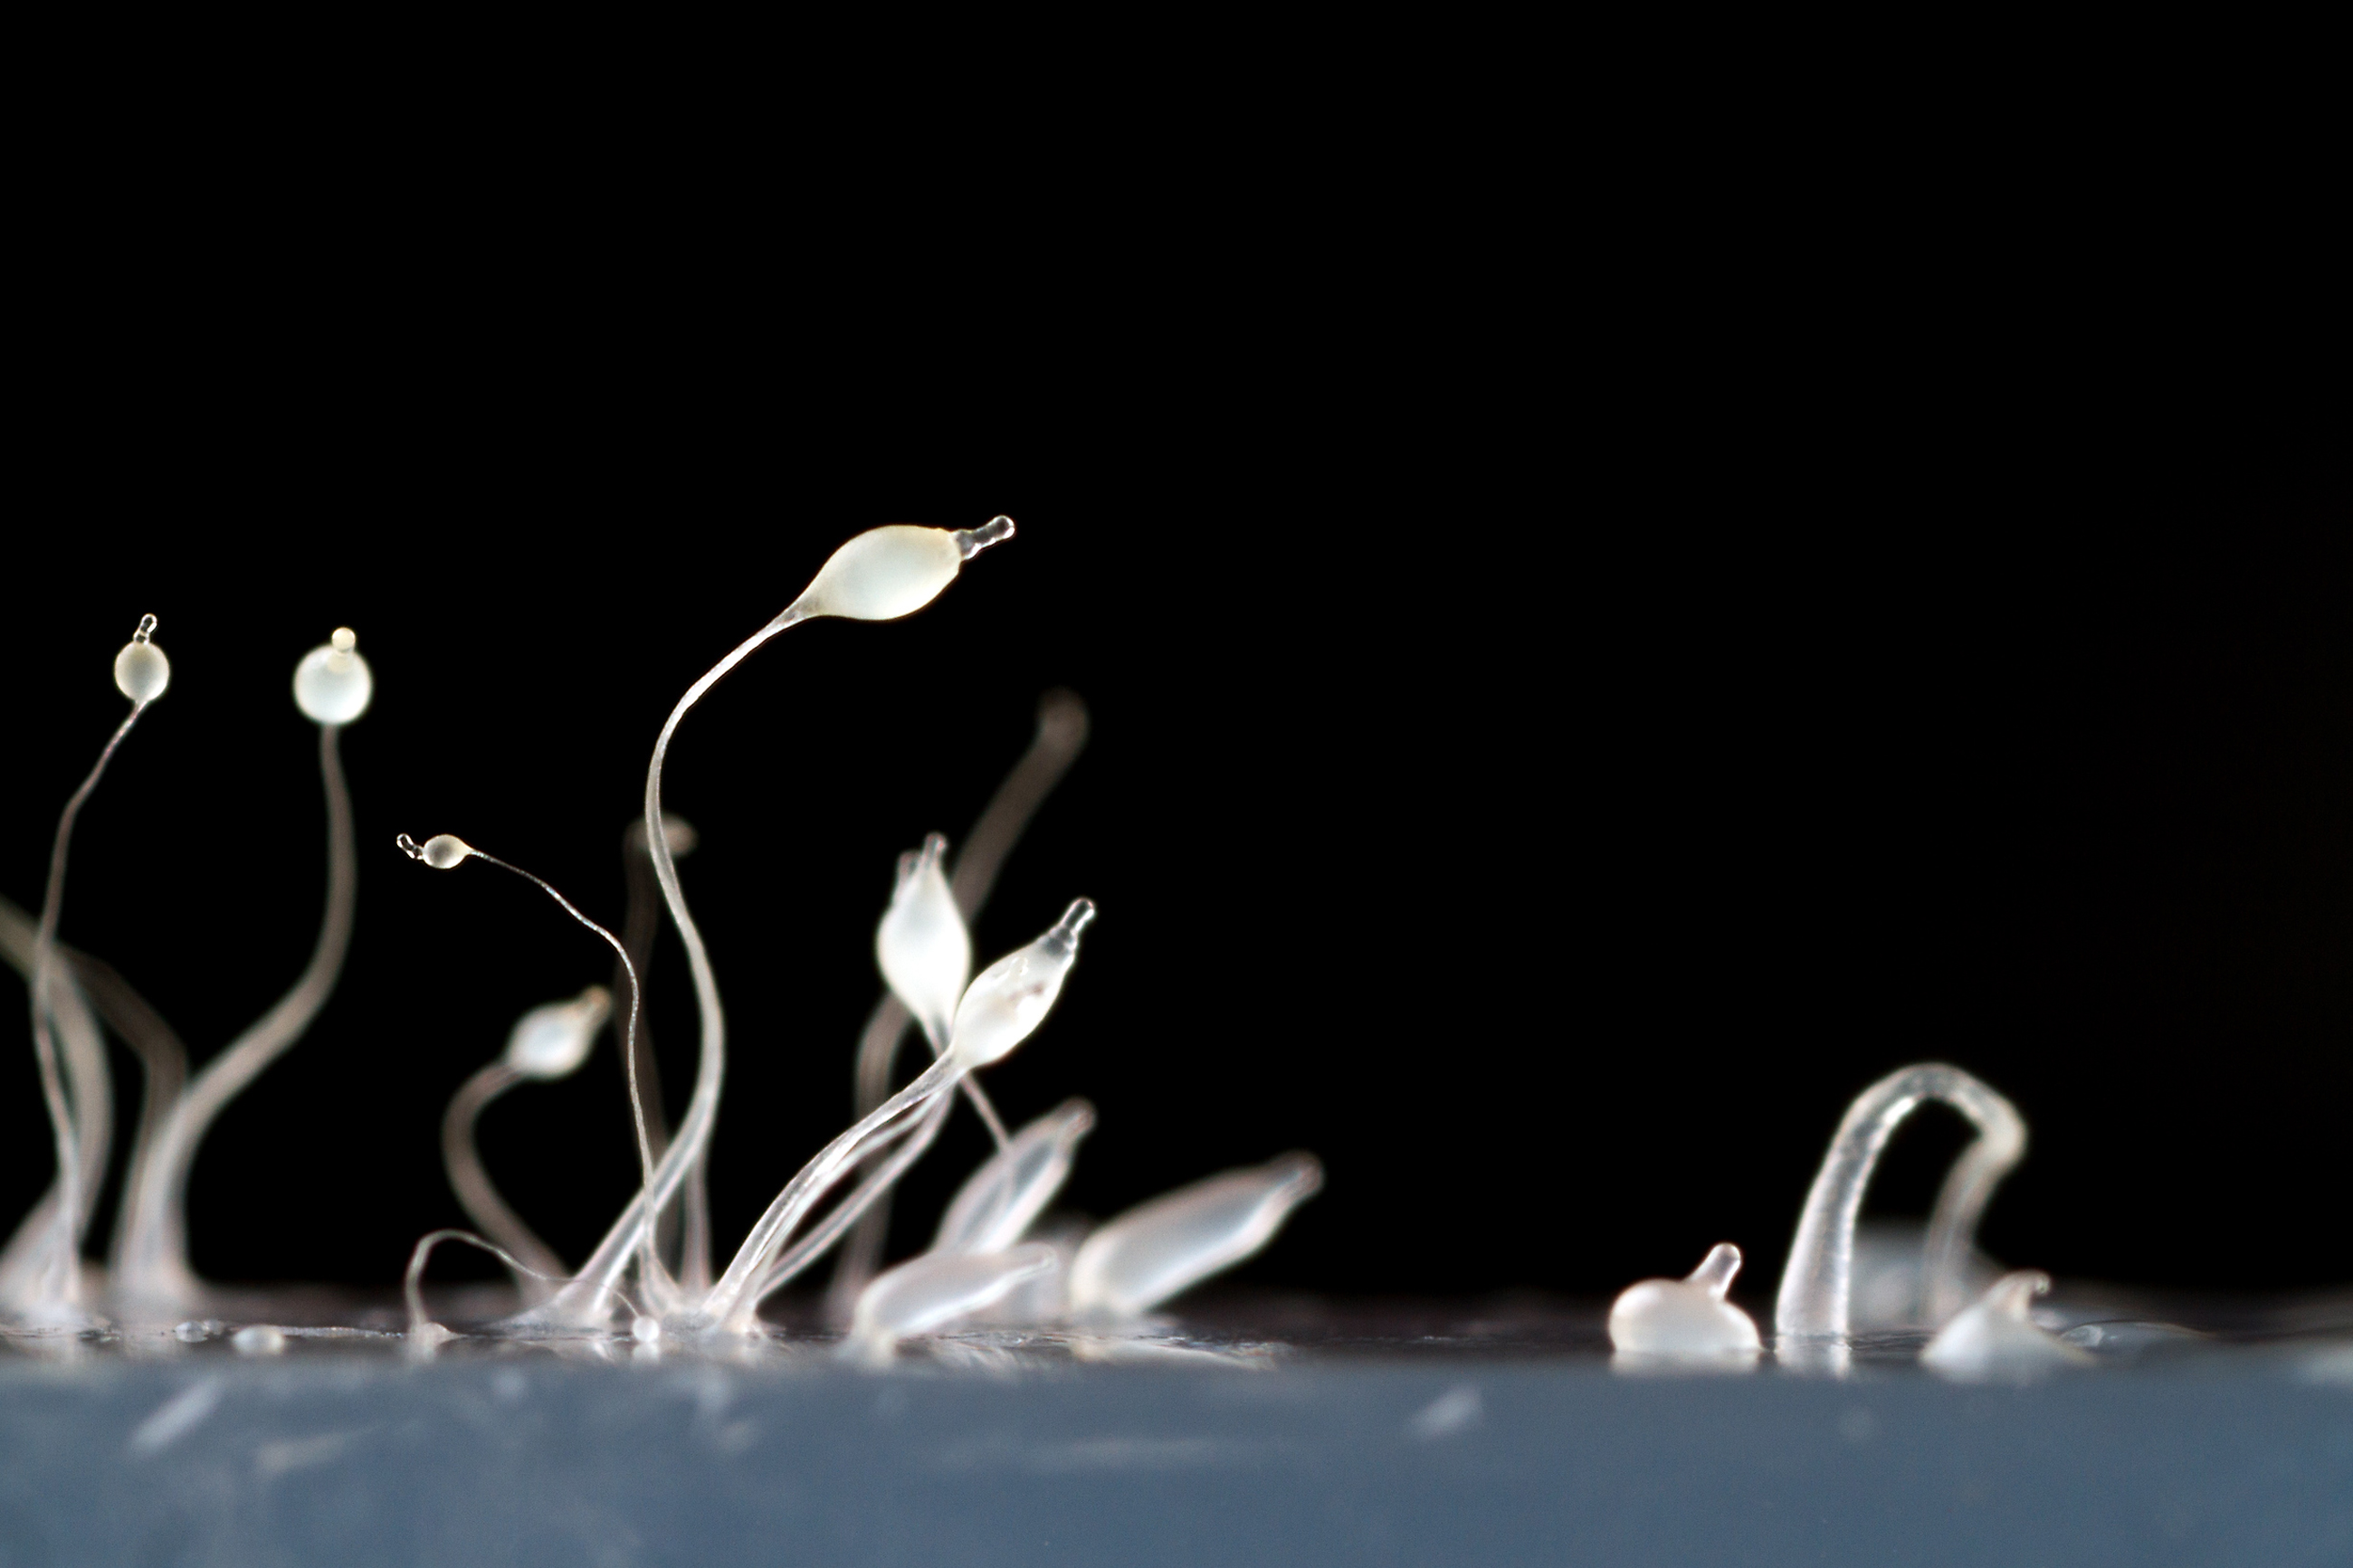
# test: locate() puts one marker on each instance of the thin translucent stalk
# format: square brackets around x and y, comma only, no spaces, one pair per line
[731,1303]
[687,1226]
[584,1299]
[1061,735]
[162,1059]
[629,975]
[639,926]
[1961,1202]
[871,1188]
[412,1283]
[1817,1285]
[62,1280]
[657,1279]
[152,1253]
[462,1158]
[28,1256]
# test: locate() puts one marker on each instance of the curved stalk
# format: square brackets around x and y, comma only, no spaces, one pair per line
[1816,1286]
[150,1259]
[30,1255]
[463,1161]
[879,575]
[873,1188]
[1961,1202]
[61,1282]
[162,1059]
[689,1225]
[657,1279]
[733,1301]
[162,1056]
[586,1299]
[424,1334]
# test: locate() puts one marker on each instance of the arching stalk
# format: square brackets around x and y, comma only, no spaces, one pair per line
[477,1194]
[1817,1283]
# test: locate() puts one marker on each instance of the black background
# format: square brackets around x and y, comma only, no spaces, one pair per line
[1590,667]
[1553,864]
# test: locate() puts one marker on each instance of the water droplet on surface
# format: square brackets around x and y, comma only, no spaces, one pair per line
[258,1338]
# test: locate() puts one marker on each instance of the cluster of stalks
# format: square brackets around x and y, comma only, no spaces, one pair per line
[998,1255]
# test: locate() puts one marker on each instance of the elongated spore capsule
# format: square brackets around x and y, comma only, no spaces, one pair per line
[1153,1251]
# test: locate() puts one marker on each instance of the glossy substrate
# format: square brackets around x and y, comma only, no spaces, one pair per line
[1499,1434]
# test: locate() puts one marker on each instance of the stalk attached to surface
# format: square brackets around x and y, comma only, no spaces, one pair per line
[1817,1285]
[1060,736]
[880,575]
[332,686]
[141,673]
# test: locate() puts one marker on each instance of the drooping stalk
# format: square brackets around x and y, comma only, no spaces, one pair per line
[446,852]
[424,1334]
[477,1194]
[150,1259]
[1969,1187]
[1817,1285]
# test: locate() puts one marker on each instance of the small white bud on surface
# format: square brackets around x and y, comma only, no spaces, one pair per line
[1688,1317]
[1996,1337]
[259,1339]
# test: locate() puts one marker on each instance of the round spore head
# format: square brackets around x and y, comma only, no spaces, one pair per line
[332,684]
[553,1041]
[140,670]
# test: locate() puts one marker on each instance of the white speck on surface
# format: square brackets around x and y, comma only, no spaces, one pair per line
[176,1417]
[258,1338]
[271,1460]
[1456,1410]
[2333,1365]
[1123,1454]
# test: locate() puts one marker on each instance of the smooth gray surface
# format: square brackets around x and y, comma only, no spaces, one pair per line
[348,1459]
